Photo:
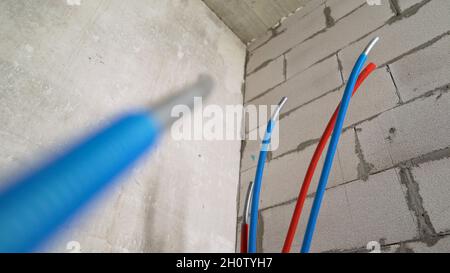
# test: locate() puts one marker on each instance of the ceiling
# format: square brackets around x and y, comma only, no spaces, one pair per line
[250,19]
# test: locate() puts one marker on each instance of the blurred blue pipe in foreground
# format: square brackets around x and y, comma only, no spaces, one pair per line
[35,205]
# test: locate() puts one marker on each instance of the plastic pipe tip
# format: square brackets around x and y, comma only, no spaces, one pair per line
[371,45]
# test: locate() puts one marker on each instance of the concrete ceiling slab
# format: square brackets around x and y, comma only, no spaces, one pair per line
[249,19]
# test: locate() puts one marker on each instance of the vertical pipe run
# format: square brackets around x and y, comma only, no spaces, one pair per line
[307,239]
[258,177]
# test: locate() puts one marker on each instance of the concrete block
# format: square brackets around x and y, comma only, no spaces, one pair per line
[442,246]
[337,37]
[424,70]
[374,149]
[379,210]
[350,217]
[282,179]
[306,123]
[401,36]
[302,29]
[305,10]
[334,228]
[434,188]
[406,132]
[284,176]
[250,154]
[340,8]
[265,78]
[405,4]
[304,87]
[377,94]
[276,223]
[323,76]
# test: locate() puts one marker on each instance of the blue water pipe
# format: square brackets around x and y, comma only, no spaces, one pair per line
[258,177]
[307,239]
[36,204]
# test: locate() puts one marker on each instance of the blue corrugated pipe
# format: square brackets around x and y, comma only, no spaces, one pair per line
[34,206]
[307,239]
[258,177]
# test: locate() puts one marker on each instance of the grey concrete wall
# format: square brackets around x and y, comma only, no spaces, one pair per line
[390,178]
[68,65]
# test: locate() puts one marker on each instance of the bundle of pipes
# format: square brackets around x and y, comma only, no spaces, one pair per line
[333,127]
[314,161]
[307,239]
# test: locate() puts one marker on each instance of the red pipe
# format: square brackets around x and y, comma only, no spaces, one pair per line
[244,238]
[313,164]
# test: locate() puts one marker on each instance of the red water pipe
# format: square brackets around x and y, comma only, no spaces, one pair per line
[313,164]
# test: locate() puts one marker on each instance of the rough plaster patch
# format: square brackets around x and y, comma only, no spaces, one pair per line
[415,203]
[418,48]
[408,12]
[300,147]
[328,18]
[363,167]
[394,7]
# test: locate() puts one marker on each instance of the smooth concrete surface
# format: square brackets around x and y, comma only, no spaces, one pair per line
[66,66]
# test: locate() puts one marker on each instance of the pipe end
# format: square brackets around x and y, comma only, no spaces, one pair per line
[371,44]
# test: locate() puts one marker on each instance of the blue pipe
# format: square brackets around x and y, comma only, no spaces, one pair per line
[253,230]
[307,239]
[35,205]
[257,188]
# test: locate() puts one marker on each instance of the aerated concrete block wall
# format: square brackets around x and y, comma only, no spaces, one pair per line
[390,181]
[66,66]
